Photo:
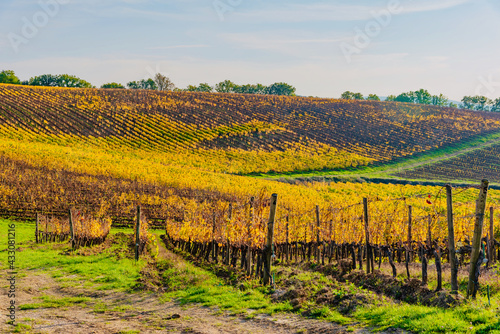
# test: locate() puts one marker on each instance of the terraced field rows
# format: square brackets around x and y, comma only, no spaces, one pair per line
[237,133]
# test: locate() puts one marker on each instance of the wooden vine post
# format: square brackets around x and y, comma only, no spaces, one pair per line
[213,236]
[451,240]
[491,239]
[137,232]
[476,240]
[269,244]
[228,245]
[408,247]
[71,230]
[429,234]
[330,237]
[46,230]
[318,228]
[250,225]
[287,248]
[367,235]
[437,256]
[36,228]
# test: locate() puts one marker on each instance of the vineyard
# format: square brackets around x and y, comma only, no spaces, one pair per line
[406,229]
[80,163]
[470,166]
[235,133]
[81,229]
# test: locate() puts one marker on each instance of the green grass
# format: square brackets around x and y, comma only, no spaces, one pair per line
[468,318]
[102,271]
[22,328]
[52,302]
[190,284]
[327,314]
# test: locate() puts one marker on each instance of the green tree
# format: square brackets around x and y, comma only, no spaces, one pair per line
[62,80]
[251,89]
[281,88]
[163,83]
[422,96]
[495,105]
[260,89]
[347,95]
[452,105]
[439,100]
[9,77]
[113,85]
[133,85]
[373,97]
[481,103]
[391,98]
[66,80]
[467,103]
[143,84]
[406,97]
[204,87]
[226,86]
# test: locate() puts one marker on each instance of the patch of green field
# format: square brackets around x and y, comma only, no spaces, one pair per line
[190,284]
[103,271]
[52,302]
[474,317]
[384,170]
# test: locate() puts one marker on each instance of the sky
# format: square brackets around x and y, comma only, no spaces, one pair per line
[322,48]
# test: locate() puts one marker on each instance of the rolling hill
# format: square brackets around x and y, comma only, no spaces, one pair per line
[236,133]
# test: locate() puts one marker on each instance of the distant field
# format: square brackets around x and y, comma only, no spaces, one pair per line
[472,166]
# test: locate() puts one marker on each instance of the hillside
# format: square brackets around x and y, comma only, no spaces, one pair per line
[236,133]
[470,166]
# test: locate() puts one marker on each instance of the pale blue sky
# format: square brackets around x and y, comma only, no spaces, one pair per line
[446,46]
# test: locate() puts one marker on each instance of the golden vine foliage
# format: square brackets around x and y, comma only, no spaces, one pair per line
[177,155]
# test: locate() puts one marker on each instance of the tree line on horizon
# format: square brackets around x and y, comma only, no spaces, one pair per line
[422,96]
[161,82]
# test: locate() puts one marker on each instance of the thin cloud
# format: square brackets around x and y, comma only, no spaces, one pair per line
[179,47]
[428,6]
[337,12]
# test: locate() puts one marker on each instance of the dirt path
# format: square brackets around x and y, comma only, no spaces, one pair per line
[120,312]
[141,312]
[110,312]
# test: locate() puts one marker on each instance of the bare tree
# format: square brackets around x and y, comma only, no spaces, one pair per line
[163,82]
